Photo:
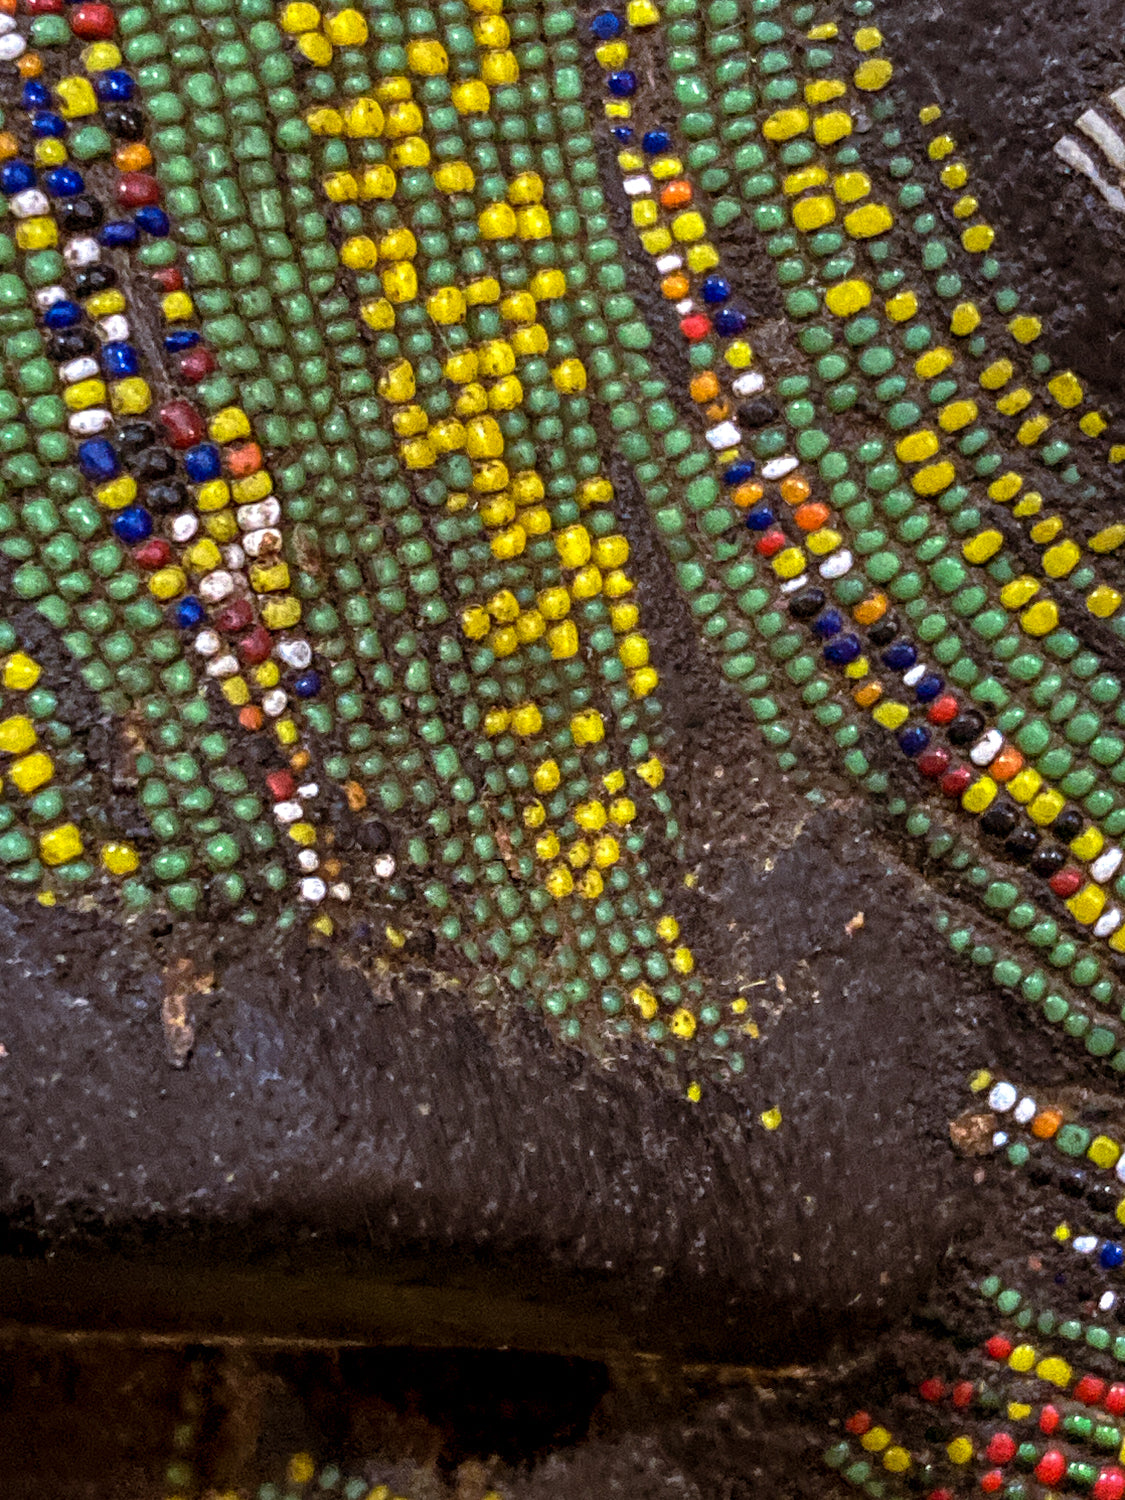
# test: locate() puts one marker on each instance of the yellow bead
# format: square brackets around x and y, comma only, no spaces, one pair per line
[167,583]
[377,182]
[587,728]
[280,614]
[1093,424]
[499,67]
[508,544]
[59,845]
[965,318]
[896,1460]
[934,479]
[702,257]
[203,556]
[978,797]
[916,446]
[978,238]
[1087,905]
[236,691]
[533,223]
[657,240]
[633,651]
[177,306]
[891,715]
[1060,560]
[683,961]
[1041,618]
[49,152]
[1025,330]
[100,56]
[84,394]
[316,48]
[642,13]
[117,493]
[119,859]
[547,846]
[800,182]
[831,127]
[1032,430]
[347,28]
[643,682]
[771,1118]
[497,221]
[590,816]
[427,57]
[824,90]
[960,1450]
[32,771]
[268,578]
[36,234]
[1109,539]
[646,1003]
[1006,488]
[849,187]
[403,118]
[1104,1152]
[965,206]
[300,16]
[739,354]
[813,213]
[874,74]
[446,305]
[789,563]
[847,297]
[253,487]
[901,307]
[1016,594]
[784,124]
[492,31]
[1103,602]
[105,304]
[688,226]
[933,362]
[563,640]
[222,525]
[483,438]
[573,546]
[611,551]
[682,1024]
[400,282]
[76,97]
[1089,843]
[130,397]
[980,548]
[955,174]
[471,97]
[325,121]
[956,415]
[17,734]
[821,542]
[867,38]
[1024,786]
[527,720]
[1052,1369]
[651,772]
[398,244]
[1046,807]
[546,776]
[547,285]
[20,672]
[868,221]
[560,882]
[875,1439]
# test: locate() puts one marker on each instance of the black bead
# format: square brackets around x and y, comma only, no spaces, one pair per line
[999,820]
[1072,1182]
[1068,825]
[71,343]
[125,121]
[965,728]
[93,279]
[1102,1198]
[807,603]
[133,437]
[169,496]
[374,837]
[757,413]
[1023,843]
[154,463]
[883,632]
[82,212]
[1040,1173]
[1047,862]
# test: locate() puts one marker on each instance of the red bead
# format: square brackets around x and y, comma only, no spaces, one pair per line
[1109,1485]
[1089,1390]
[182,423]
[234,616]
[169,279]
[282,785]
[933,763]
[940,1495]
[1115,1400]
[92,22]
[943,710]
[1051,1467]
[695,326]
[1049,1419]
[197,364]
[256,646]
[858,1423]
[154,553]
[137,189]
[992,1481]
[43,7]
[998,1347]
[771,543]
[1001,1448]
[1065,882]
[954,782]
[932,1389]
[963,1393]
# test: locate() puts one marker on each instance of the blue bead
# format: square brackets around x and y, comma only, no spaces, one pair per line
[132,525]
[203,463]
[739,473]
[119,360]
[759,518]
[97,459]
[622,84]
[729,320]
[656,141]
[152,220]
[118,232]
[307,685]
[113,86]
[35,95]
[188,612]
[16,176]
[1111,1255]
[843,650]
[900,657]
[606,25]
[63,182]
[715,289]
[928,687]
[45,122]
[182,338]
[623,133]
[914,740]
[62,314]
[830,623]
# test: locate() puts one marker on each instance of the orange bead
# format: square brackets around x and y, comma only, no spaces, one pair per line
[704,387]
[868,695]
[1046,1123]
[9,145]
[7,7]
[30,65]
[251,717]
[1006,764]
[794,489]
[677,194]
[133,157]
[244,460]
[809,517]
[747,494]
[717,411]
[870,610]
[675,286]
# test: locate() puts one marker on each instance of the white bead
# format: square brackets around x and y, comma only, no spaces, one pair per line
[274,703]
[87,423]
[266,540]
[12,46]
[634,186]
[999,1138]
[49,296]
[986,749]
[233,557]
[725,435]
[114,329]
[1119,1169]
[184,527]
[385,866]
[223,666]
[1108,922]
[308,791]
[1025,1111]
[749,384]
[207,642]
[1085,1244]
[295,653]
[313,889]
[82,252]
[308,860]
[341,891]
[31,201]
[1103,867]
[7,23]
[915,675]
[78,369]
[794,584]
[215,586]
[1106,1301]
[1002,1098]
[684,307]
[837,565]
[668,263]
[262,513]
[777,468]
[288,812]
